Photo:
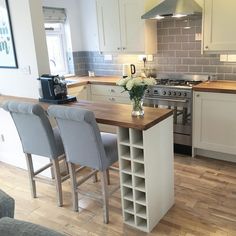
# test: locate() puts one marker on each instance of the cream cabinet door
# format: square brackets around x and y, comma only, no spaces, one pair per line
[121,28]
[108,17]
[109,93]
[137,35]
[214,122]
[219,33]
[80,92]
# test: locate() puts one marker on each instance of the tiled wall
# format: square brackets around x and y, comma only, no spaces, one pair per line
[94,61]
[178,52]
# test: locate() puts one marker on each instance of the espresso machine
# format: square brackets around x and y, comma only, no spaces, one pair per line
[54,90]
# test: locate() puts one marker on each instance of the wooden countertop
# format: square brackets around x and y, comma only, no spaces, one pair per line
[111,114]
[217,86]
[103,80]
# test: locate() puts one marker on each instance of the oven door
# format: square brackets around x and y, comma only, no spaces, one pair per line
[182,116]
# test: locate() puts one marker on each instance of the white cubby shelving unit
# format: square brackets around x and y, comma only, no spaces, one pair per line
[146,173]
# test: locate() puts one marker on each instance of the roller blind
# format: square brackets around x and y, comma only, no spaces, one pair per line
[54,15]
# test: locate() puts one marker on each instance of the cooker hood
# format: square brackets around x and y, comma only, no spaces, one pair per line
[174,8]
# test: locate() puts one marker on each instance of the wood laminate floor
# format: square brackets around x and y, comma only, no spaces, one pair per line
[205,203]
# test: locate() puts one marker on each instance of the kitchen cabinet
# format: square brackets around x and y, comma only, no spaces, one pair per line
[121,28]
[111,94]
[80,92]
[214,122]
[219,34]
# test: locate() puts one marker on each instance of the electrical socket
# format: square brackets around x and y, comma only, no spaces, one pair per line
[107,57]
[198,37]
[2,138]
[26,70]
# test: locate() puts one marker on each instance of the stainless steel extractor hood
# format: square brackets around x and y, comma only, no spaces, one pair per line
[175,8]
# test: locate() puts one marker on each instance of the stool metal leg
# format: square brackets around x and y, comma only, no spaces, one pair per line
[105,197]
[31,174]
[57,174]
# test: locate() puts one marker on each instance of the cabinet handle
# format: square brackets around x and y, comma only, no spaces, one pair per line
[112,99]
[112,90]
[123,48]
[118,48]
[206,47]
[197,95]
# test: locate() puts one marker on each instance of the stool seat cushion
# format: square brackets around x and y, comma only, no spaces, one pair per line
[13,227]
[7,205]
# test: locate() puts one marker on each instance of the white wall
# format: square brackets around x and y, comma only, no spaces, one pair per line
[31,50]
[22,81]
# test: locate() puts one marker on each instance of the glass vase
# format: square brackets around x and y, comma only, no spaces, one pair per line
[137,107]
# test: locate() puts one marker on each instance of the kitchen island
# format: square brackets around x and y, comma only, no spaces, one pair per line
[145,147]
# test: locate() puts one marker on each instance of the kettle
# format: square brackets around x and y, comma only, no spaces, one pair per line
[128,70]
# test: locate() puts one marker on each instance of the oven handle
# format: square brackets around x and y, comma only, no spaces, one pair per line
[168,100]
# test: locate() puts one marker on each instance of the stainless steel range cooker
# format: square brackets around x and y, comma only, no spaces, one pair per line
[175,92]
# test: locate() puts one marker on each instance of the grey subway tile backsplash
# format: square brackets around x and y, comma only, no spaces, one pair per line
[178,52]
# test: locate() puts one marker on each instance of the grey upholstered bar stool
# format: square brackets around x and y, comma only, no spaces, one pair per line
[7,205]
[38,138]
[86,146]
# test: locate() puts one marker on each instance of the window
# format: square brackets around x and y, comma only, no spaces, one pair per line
[56,43]
[55,23]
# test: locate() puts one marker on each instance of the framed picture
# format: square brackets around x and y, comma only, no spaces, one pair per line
[7,48]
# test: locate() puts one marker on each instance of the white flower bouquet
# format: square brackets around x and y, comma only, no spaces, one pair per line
[136,88]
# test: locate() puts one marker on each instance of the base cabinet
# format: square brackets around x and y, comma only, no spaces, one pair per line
[80,92]
[214,122]
[111,94]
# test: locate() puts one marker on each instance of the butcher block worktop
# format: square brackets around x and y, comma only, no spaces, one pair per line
[103,80]
[111,114]
[217,86]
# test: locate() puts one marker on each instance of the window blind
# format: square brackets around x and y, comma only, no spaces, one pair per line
[54,15]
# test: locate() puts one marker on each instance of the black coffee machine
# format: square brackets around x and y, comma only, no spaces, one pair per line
[54,90]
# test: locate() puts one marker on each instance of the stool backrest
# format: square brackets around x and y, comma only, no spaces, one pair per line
[80,136]
[33,127]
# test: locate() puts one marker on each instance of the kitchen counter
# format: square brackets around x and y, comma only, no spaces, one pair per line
[145,149]
[103,80]
[111,114]
[217,86]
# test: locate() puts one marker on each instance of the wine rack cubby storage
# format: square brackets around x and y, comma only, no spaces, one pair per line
[142,162]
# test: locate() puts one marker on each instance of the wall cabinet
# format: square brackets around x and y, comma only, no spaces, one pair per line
[121,28]
[214,122]
[219,35]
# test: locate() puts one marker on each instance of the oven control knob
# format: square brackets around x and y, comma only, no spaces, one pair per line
[179,93]
[164,92]
[174,93]
[169,93]
[185,94]
[147,91]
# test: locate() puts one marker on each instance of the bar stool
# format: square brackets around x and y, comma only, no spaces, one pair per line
[38,138]
[84,145]
[7,205]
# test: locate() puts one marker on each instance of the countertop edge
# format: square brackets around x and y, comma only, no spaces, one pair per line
[100,118]
[215,90]
[217,86]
